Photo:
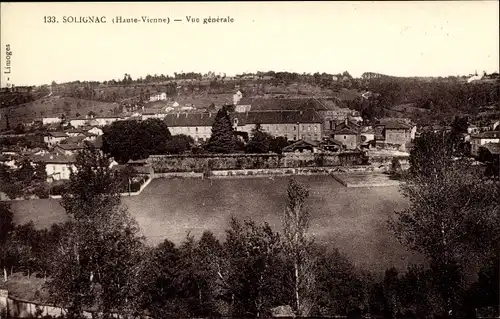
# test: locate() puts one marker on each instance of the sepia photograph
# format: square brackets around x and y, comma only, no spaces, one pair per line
[244,159]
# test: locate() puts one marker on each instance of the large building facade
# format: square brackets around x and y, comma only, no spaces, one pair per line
[483,138]
[293,125]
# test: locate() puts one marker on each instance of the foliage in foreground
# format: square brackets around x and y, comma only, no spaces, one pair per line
[99,261]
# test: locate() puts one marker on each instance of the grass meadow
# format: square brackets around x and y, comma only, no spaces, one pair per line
[352,219]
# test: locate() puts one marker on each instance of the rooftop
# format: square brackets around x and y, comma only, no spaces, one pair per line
[279,117]
[57,134]
[345,131]
[71,146]
[299,144]
[54,158]
[494,148]
[394,123]
[74,140]
[252,117]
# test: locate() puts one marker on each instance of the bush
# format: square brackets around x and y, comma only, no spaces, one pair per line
[319,159]
[135,186]
[41,192]
[395,166]
[58,189]
[12,190]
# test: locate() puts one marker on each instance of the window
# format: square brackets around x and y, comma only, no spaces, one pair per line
[295,128]
[196,129]
[345,137]
[309,128]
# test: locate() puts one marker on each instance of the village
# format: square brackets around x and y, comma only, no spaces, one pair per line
[250,160]
[312,125]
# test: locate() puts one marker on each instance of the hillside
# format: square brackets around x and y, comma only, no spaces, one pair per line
[53,106]
[423,101]
[199,97]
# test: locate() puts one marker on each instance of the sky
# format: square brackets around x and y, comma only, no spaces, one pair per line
[430,38]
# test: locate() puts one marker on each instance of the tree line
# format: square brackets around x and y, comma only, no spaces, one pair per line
[99,259]
[442,99]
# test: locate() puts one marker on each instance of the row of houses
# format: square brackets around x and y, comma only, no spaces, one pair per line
[63,149]
[297,125]
[83,120]
[83,133]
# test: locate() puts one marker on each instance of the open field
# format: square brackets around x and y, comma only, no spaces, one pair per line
[352,219]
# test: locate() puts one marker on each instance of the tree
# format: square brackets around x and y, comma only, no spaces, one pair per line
[25,171]
[295,225]
[260,141]
[222,139]
[19,129]
[154,136]
[126,140]
[122,141]
[8,182]
[164,292]
[6,228]
[339,287]
[66,108]
[431,155]
[253,269]
[277,144]
[453,217]
[491,161]
[179,144]
[101,254]
[208,250]
[347,75]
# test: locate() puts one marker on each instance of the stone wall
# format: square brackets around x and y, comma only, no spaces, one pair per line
[387,160]
[17,308]
[211,162]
